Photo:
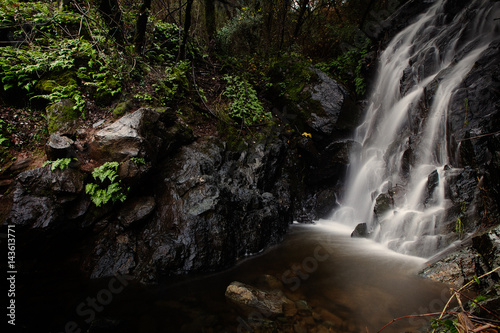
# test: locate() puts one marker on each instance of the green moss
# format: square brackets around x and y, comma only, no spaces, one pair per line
[62,116]
[122,108]
[53,80]
[105,96]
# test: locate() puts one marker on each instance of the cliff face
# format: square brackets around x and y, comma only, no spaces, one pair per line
[173,203]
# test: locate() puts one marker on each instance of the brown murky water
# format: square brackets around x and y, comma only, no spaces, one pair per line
[350,285]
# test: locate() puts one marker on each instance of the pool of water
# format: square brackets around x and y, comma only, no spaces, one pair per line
[349,284]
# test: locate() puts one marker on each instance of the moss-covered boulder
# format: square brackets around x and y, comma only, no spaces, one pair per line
[122,108]
[48,83]
[62,117]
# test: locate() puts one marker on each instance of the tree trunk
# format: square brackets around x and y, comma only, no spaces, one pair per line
[185,33]
[210,18]
[142,23]
[301,19]
[112,15]
[286,5]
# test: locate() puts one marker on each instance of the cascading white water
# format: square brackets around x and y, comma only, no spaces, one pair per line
[430,52]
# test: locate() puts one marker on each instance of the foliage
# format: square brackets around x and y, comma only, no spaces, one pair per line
[3,140]
[14,12]
[288,76]
[138,160]
[176,81]
[245,104]
[242,34]
[23,67]
[459,227]
[53,50]
[348,67]
[108,188]
[445,325]
[61,163]
[165,42]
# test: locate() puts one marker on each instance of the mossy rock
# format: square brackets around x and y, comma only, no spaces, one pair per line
[105,97]
[122,108]
[53,80]
[62,117]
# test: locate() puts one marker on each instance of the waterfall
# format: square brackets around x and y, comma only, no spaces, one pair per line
[396,179]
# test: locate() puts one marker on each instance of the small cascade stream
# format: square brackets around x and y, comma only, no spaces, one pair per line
[396,179]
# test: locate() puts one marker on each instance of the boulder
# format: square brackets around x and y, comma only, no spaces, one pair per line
[336,113]
[463,263]
[62,117]
[40,196]
[249,299]
[361,231]
[59,146]
[141,134]
[383,203]
[432,184]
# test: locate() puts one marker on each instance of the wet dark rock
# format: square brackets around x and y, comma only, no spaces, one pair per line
[432,184]
[40,196]
[214,206]
[487,246]
[456,269]
[330,96]
[115,254]
[383,204]
[406,162]
[361,231]
[401,17]
[336,112]
[331,163]
[470,260]
[136,210]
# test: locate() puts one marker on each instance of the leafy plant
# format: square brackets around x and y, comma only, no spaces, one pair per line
[108,188]
[3,140]
[244,102]
[61,163]
[242,34]
[70,92]
[165,37]
[176,81]
[138,160]
[348,67]
[445,325]
[459,227]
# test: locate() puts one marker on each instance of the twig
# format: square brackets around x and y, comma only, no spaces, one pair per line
[412,316]
[479,136]
[482,307]
[462,288]
[480,328]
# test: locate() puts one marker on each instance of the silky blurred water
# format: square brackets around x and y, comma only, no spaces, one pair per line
[356,285]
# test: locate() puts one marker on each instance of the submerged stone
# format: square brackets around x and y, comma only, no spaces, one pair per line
[250,299]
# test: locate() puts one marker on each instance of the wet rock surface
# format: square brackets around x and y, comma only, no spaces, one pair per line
[192,204]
